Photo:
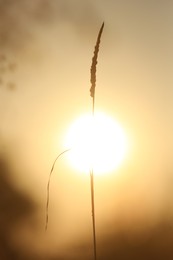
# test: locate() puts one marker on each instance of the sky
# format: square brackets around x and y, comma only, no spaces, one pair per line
[46,49]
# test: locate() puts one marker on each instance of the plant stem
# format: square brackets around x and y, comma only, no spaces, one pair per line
[93,212]
[48,188]
[92,94]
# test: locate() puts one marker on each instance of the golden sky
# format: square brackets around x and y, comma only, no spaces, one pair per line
[46,48]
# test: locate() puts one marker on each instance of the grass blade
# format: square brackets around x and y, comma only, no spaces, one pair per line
[48,188]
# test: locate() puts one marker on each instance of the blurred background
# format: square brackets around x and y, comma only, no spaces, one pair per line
[46,49]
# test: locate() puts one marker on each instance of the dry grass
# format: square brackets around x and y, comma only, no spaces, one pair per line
[92,94]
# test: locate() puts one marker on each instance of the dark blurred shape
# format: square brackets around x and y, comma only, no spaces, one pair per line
[21,20]
[15,207]
[154,243]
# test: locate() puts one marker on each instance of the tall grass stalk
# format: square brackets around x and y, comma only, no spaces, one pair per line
[92,94]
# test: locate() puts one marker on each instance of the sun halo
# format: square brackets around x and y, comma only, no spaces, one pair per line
[97,142]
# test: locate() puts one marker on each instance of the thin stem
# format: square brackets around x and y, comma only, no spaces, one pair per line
[48,188]
[93,106]
[92,196]
[93,212]
[92,94]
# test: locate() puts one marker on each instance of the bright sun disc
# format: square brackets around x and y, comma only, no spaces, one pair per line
[97,143]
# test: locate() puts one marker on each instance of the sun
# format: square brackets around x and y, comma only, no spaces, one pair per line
[97,143]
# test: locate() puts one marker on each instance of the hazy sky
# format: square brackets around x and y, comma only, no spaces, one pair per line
[46,49]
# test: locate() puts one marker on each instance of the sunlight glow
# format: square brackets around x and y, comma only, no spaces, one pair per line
[96,142]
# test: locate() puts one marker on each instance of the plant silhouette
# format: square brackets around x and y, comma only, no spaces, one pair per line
[92,94]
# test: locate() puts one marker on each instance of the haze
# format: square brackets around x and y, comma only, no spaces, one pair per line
[46,49]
